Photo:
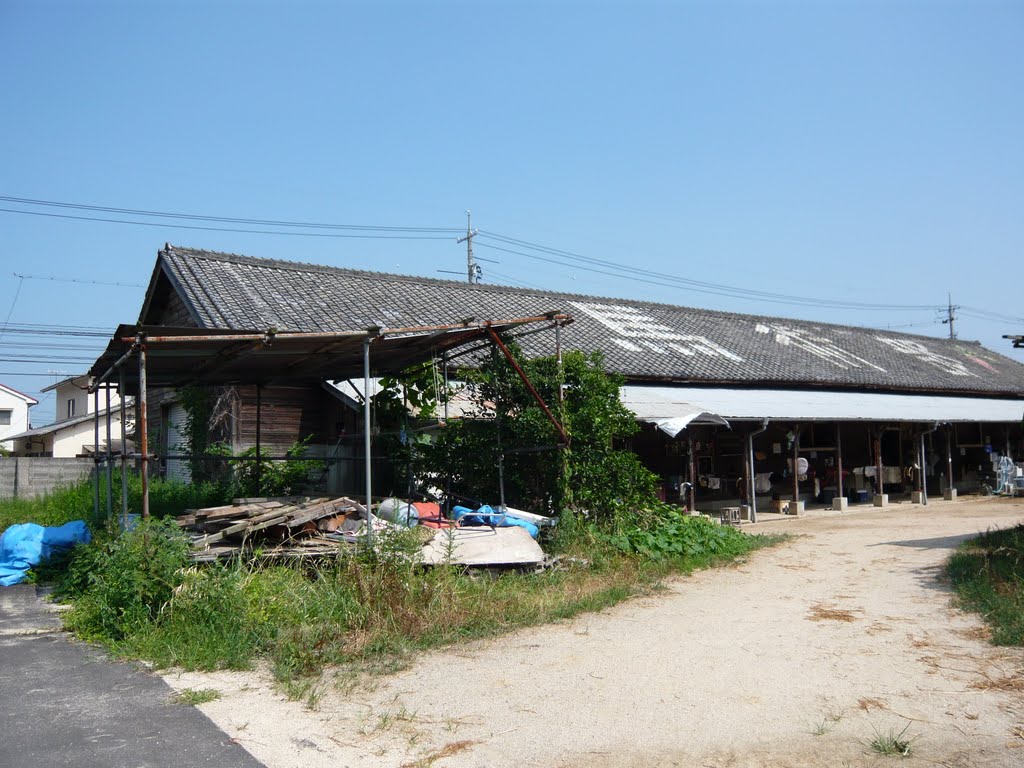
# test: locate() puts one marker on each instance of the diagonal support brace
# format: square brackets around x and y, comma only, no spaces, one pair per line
[529,385]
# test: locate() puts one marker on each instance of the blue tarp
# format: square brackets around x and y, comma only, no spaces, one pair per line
[486,515]
[27,544]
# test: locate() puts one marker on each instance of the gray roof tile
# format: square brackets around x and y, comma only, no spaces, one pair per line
[641,340]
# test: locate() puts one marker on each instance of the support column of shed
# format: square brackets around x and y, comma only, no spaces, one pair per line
[109,458]
[692,474]
[366,442]
[839,503]
[881,497]
[124,453]
[142,415]
[796,507]
[96,453]
[950,492]
[752,471]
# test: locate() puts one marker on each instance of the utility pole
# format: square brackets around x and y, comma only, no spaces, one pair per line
[473,271]
[950,317]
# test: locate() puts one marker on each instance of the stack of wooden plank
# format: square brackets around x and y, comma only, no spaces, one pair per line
[285,527]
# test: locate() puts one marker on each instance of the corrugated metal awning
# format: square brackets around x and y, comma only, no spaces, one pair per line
[811,405]
[671,414]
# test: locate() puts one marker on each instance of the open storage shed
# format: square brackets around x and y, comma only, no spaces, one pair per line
[765,407]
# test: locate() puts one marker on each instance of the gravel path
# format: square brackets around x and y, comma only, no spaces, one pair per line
[798,657]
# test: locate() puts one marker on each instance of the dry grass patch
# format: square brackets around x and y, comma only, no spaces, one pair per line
[447,750]
[975,633]
[822,612]
[867,704]
[1009,683]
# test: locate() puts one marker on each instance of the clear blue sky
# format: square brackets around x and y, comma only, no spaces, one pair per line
[858,151]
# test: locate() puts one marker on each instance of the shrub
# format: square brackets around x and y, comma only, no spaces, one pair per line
[665,531]
[123,583]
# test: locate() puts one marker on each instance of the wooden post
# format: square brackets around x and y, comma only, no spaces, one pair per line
[259,419]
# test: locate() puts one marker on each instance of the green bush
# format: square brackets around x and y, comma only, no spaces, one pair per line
[665,531]
[123,583]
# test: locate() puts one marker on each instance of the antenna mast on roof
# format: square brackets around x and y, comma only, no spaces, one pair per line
[950,317]
[473,271]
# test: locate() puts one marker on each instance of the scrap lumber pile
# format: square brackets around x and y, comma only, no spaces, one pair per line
[283,527]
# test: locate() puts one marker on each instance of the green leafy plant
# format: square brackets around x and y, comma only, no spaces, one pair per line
[593,477]
[274,478]
[664,531]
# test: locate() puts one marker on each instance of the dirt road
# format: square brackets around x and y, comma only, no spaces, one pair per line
[799,657]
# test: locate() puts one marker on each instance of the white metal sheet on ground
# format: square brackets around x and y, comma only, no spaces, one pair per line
[483,546]
[834,406]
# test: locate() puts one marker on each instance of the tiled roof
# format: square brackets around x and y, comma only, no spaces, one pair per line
[640,340]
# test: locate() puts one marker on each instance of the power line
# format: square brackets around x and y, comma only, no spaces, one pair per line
[47,345]
[224,229]
[76,280]
[53,359]
[989,315]
[659,278]
[222,219]
[10,312]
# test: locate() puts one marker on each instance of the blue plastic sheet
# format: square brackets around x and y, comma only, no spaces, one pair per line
[28,544]
[486,515]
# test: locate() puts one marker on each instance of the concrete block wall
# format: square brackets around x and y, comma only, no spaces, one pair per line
[28,477]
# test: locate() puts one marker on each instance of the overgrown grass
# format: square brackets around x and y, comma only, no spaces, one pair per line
[195,696]
[988,575]
[75,502]
[892,743]
[138,595]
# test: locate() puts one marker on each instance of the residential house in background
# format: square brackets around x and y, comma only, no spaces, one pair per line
[73,433]
[14,407]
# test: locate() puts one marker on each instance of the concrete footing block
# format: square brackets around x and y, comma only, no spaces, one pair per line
[916,497]
[881,500]
[840,503]
[795,508]
[949,494]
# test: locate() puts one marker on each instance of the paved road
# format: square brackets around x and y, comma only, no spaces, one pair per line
[62,703]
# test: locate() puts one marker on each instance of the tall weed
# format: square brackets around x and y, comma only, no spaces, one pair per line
[123,583]
[988,575]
